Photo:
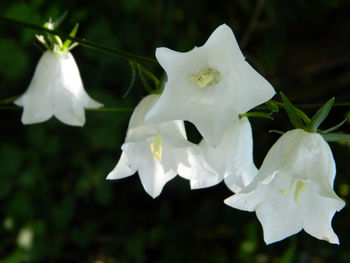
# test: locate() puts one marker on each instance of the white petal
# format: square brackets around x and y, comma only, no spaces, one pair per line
[318,214]
[70,80]
[297,159]
[122,169]
[36,109]
[247,201]
[279,216]
[189,164]
[211,109]
[301,155]
[249,88]
[177,154]
[56,89]
[225,44]
[170,60]
[232,159]
[151,172]
[138,130]
[68,109]
[210,119]
[207,181]
[153,180]
[38,98]
[19,101]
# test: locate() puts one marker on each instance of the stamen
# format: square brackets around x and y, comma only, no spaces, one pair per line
[157,152]
[300,187]
[206,77]
[287,192]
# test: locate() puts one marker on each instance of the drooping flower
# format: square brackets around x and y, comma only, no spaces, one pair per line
[294,189]
[158,152]
[209,86]
[56,89]
[231,160]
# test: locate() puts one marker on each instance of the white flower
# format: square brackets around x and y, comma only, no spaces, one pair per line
[56,89]
[157,151]
[209,86]
[231,160]
[294,189]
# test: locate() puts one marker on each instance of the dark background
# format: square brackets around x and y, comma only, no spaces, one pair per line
[52,176]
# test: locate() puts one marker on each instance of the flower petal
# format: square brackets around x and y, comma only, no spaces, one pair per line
[36,109]
[318,213]
[68,109]
[225,44]
[249,88]
[231,160]
[153,178]
[211,108]
[56,89]
[207,181]
[70,80]
[122,169]
[152,174]
[247,201]
[279,216]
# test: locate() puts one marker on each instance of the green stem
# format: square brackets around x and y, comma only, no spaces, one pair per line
[103,109]
[9,99]
[315,105]
[81,41]
[302,114]
[106,109]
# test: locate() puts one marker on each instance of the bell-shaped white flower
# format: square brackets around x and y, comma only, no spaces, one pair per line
[56,89]
[209,86]
[157,151]
[294,189]
[231,160]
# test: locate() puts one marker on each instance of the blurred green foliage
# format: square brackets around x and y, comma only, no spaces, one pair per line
[56,205]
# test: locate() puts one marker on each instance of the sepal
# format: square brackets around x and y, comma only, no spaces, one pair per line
[292,113]
[320,115]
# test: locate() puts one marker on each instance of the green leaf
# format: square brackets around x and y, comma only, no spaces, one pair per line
[81,41]
[67,43]
[335,137]
[144,80]
[335,127]
[132,81]
[276,131]
[9,99]
[320,115]
[150,75]
[273,107]
[59,20]
[256,114]
[162,81]
[292,112]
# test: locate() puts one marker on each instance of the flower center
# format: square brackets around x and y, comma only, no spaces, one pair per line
[156,150]
[207,77]
[299,188]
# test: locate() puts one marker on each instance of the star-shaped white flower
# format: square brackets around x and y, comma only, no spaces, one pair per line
[56,89]
[158,152]
[294,189]
[231,160]
[209,86]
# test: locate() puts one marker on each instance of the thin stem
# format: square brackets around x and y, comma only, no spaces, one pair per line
[103,109]
[111,109]
[107,109]
[9,99]
[315,105]
[9,107]
[83,42]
